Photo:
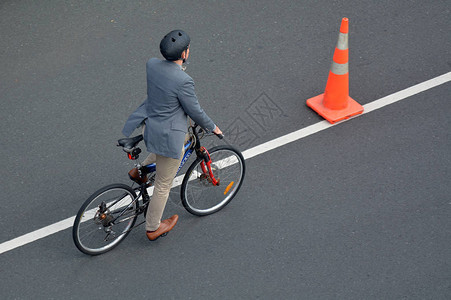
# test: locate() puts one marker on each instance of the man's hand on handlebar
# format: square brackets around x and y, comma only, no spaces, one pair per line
[218,132]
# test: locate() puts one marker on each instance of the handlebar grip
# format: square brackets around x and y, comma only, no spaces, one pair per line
[220,136]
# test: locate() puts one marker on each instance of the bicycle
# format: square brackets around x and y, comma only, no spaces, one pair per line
[210,183]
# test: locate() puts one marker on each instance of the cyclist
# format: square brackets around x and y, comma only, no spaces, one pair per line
[170,100]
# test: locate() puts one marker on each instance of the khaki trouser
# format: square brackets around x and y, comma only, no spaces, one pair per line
[166,170]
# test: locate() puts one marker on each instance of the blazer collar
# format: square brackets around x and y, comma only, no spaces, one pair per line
[170,62]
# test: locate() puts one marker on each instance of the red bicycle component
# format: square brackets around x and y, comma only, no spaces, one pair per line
[207,169]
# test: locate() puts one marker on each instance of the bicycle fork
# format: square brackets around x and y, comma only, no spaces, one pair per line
[206,166]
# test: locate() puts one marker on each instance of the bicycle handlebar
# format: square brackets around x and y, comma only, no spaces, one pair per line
[220,136]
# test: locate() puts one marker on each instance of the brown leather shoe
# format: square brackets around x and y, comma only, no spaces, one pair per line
[165,227]
[134,175]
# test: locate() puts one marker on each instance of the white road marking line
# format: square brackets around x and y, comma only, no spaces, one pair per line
[36,235]
[249,153]
[309,130]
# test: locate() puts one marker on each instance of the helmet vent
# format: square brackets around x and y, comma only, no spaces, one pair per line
[173,40]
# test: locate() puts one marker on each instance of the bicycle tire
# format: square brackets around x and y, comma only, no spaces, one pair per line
[91,224]
[199,196]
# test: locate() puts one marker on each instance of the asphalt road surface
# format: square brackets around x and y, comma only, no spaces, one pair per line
[360,210]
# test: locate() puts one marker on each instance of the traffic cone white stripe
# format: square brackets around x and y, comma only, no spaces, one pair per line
[342,43]
[339,69]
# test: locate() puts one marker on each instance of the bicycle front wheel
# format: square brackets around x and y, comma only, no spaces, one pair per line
[105,219]
[199,196]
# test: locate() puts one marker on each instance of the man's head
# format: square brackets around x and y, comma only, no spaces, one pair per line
[174,44]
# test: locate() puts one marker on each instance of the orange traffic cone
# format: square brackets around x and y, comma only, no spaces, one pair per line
[335,104]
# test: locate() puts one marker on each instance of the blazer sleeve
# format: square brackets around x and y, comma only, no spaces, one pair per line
[188,100]
[135,120]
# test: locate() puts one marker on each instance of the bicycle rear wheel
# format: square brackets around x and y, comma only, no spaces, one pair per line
[105,219]
[199,196]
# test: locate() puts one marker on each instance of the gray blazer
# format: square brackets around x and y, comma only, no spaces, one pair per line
[170,98]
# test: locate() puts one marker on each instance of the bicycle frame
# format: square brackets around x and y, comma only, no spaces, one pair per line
[188,151]
[189,148]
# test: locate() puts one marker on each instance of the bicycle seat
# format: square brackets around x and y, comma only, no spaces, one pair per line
[130,143]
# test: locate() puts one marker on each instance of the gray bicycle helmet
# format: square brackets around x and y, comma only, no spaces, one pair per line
[173,44]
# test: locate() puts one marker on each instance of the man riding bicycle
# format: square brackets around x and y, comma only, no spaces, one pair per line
[170,100]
